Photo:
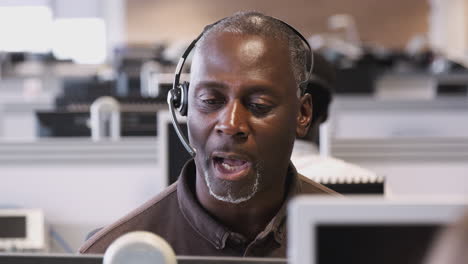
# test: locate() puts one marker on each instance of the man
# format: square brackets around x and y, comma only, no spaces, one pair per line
[245,109]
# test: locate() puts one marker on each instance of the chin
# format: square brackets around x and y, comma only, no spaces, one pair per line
[234,192]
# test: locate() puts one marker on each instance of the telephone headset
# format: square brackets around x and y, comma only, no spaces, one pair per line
[177,97]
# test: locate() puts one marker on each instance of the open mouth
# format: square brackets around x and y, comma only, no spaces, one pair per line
[231,168]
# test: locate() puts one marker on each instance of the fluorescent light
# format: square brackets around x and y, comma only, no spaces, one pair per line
[25,28]
[81,39]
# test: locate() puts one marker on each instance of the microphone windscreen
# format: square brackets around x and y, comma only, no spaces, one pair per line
[139,247]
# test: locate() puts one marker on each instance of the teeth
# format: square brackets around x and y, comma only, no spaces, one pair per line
[228,167]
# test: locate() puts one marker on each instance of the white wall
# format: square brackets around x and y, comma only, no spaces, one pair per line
[448,28]
[79,184]
[78,199]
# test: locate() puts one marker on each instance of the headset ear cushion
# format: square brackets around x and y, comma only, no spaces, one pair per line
[183,98]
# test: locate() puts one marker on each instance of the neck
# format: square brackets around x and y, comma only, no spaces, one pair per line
[255,213]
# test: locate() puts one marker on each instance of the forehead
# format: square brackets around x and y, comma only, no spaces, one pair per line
[246,55]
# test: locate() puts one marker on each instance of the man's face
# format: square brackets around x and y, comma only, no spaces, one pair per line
[242,114]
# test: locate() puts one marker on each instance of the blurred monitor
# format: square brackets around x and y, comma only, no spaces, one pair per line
[357,81]
[128,85]
[372,187]
[452,89]
[97,259]
[76,123]
[83,89]
[16,258]
[365,230]
[172,154]
[22,230]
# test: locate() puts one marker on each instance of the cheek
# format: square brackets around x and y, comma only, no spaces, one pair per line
[195,132]
[277,136]
[199,129]
[197,137]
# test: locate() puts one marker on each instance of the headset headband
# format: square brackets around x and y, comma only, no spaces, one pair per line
[183,58]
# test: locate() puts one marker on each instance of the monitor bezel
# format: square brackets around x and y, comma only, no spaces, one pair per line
[75,258]
[308,212]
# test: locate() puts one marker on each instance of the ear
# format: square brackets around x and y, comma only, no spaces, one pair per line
[304,116]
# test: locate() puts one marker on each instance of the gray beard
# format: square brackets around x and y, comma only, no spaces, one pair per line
[231,196]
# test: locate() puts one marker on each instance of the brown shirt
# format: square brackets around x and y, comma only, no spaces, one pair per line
[176,215]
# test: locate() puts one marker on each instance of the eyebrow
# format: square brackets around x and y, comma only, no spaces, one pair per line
[210,84]
[260,89]
[253,89]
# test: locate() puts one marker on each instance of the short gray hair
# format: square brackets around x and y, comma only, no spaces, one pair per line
[259,24]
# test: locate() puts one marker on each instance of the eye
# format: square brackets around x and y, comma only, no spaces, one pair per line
[212,101]
[260,109]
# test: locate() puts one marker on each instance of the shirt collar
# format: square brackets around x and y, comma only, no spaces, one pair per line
[213,231]
[278,224]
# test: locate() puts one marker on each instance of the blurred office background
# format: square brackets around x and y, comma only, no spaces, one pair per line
[83,86]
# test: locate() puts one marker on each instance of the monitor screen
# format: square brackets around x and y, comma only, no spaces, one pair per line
[13,227]
[373,243]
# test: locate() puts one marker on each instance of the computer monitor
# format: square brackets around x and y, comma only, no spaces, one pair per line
[34,258]
[366,230]
[171,154]
[97,259]
[22,230]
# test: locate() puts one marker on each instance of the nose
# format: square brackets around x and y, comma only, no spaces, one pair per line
[233,121]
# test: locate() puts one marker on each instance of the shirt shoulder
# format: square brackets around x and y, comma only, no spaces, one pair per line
[141,218]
